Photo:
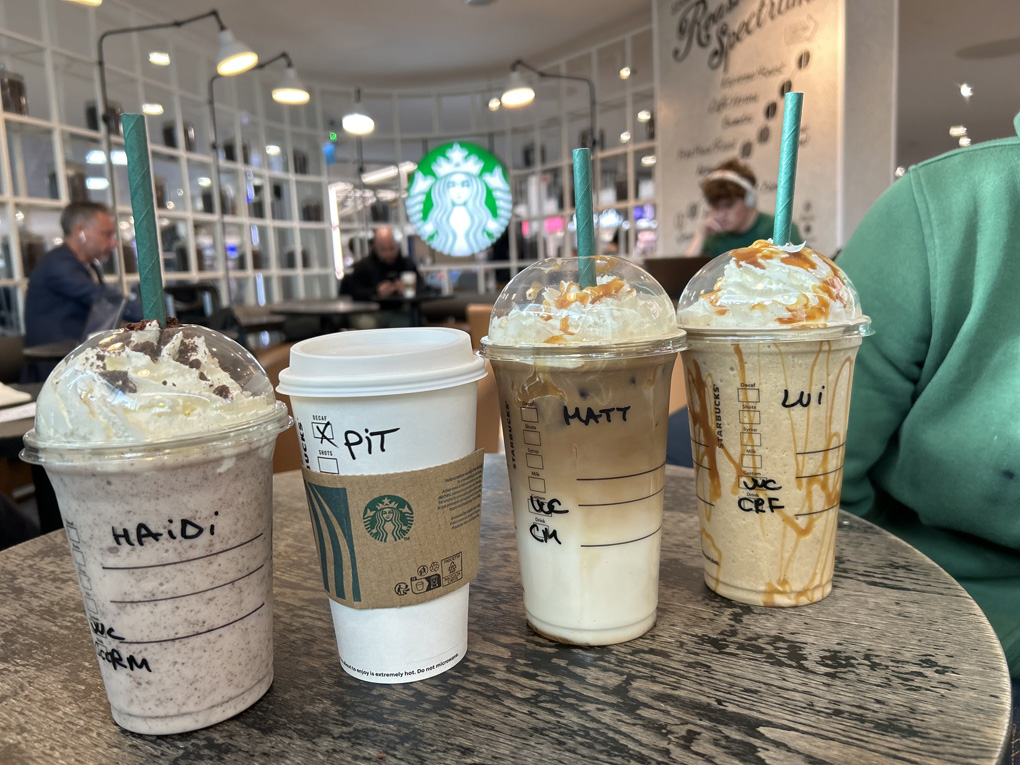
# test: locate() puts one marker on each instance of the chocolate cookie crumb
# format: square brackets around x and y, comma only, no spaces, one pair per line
[149,349]
[195,364]
[203,377]
[119,379]
[222,391]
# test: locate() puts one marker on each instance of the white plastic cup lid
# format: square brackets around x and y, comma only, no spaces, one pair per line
[381,362]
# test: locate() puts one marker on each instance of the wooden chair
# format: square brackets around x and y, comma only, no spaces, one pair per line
[288,452]
[487,422]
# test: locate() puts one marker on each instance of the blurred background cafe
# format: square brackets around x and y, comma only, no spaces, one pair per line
[284,136]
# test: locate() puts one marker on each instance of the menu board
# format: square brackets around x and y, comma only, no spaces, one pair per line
[723,68]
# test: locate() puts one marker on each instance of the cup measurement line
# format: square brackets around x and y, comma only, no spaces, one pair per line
[700,444]
[632,475]
[178,562]
[196,634]
[623,502]
[816,475]
[628,541]
[820,451]
[816,512]
[710,504]
[189,594]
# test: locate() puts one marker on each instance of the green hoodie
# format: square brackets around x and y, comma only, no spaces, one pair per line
[933,448]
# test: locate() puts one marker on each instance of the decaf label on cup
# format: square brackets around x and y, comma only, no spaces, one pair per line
[396,539]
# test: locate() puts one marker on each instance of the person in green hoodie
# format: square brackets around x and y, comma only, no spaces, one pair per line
[933,446]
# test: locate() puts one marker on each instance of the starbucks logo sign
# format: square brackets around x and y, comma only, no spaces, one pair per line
[388,518]
[459,199]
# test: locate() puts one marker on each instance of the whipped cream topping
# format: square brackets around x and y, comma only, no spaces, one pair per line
[765,285]
[151,384]
[612,311]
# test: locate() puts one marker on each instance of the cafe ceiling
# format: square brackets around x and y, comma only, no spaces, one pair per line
[412,42]
[943,44]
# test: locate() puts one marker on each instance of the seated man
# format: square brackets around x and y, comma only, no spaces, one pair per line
[68,278]
[933,447]
[734,220]
[378,274]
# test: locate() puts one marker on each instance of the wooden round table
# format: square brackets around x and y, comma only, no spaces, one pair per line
[898,664]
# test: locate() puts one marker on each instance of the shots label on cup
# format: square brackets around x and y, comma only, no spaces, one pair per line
[389,540]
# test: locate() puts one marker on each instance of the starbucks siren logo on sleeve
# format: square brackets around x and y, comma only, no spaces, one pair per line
[388,518]
[459,199]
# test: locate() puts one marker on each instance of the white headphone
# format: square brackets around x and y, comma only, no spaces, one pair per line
[750,195]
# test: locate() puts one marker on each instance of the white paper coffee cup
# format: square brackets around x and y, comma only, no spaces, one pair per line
[345,390]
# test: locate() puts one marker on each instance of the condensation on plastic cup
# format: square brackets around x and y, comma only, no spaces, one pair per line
[426,378]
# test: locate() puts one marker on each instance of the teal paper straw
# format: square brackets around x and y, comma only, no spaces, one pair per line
[150,278]
[583,216]
[787,167]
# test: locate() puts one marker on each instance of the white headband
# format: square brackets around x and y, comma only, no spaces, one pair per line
[729,175]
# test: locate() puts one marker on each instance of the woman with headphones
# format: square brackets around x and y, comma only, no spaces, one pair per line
[733,220]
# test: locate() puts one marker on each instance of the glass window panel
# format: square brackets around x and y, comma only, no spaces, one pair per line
[335,104]
[290,287]
[231,191]
[319,286]
[280,199]
[523,152]
[277,150]
[378,153]
[195,136]
[274,112]
[226,129]
[612,184]
[265,289]
[286,249]
[258,239]
[205,247]
[380,108]
[641,57]
[613,122]
[6,256]
[310,202]
[26,80]
[415,115]
[167,181]
[644,174]
[307,154]
[645,230]
[255,194]
[84,158]
[39,231]
[551,141]
[23,18]
[303,115]
[643,130]
[194,66]
[612,230]
[236,245]
[314,244]
[155,42]
[610,60]
[455,113]
[200,185]
[75,90]
[173,241]
[30,152]
[118,50]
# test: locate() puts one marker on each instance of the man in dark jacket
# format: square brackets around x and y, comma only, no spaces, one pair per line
[378,275]
[68,278]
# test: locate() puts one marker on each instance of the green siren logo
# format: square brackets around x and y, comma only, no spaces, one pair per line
[388,518]
[459,200]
